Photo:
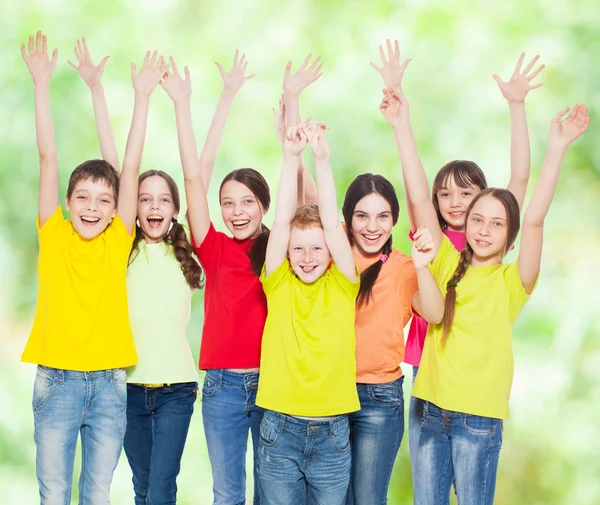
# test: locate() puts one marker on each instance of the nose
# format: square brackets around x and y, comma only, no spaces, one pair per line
[237,210]
[484,230]
[455,202]
[154,205]
[307,256]
[372,225]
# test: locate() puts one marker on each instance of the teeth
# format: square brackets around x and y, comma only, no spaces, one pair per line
[155,218]
[240,223]
[90,219]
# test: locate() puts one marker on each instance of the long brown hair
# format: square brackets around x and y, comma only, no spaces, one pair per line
[508,200]
[465,173]
[176,237]
[260,189]
[364,185]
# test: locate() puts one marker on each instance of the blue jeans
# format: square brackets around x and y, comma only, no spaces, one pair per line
[376,432]
[228,412]
[304,462]
[157,427]
[455,447]
[67,404]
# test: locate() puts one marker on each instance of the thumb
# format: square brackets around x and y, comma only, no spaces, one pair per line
[186,70]
[72,64]
[54,57]
[496,78]
[288,67]
[103,62]
[220,67]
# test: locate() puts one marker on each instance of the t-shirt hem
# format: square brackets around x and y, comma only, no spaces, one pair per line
[463,408]
[79,367]
[161,380]
[379,379]
[292,410]
[212,366]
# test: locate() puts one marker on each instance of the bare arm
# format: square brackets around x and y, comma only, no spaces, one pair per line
[562,133]
[514,91]
[144,84]
[335,235]
[92,75]
[180,90]
[41,70]
[428,300]
[232,82]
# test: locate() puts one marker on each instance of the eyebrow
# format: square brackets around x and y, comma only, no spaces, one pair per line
[231,198]
[82,190]
[160,194]
[481,215]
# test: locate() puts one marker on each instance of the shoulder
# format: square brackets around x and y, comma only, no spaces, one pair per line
[282,274]
[55,223]
[335,276]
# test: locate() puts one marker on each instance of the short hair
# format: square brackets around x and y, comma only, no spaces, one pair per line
[96,170]
[307,216]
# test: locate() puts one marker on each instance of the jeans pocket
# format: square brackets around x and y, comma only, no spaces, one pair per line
[210,384]
[479,424]
[389,394]
[43,389]
[119,382]
[341,438]
[269,430]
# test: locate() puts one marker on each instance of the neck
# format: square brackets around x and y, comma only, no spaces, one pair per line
[478,261]
[364,254]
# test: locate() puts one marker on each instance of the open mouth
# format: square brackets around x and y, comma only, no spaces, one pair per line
[371,239]
[307,269]
[89,220]
[155,221]
[483,243]
[240,224]
[457,215]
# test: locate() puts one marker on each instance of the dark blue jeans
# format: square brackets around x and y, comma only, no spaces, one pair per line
[229,413]
[157,427]
[376,432]
[454,447]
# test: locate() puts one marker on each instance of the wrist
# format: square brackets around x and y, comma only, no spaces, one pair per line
[95,88]
[556,149]
[181,101]
[228,94]
[516,103]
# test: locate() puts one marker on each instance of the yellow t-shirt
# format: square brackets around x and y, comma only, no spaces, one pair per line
[307,365]
[473,372]
[81,321]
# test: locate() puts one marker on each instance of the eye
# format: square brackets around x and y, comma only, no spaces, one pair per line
[317,248]
[165,200]
[445,194]
[297,248]
[361,216]
[144,199]
[498,223]
[384,216]
[467,193]
[81,197]
[248,201]
[476,219]
[226,204]
[105,200]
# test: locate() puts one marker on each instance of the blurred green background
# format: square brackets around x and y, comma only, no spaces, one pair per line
[550,453]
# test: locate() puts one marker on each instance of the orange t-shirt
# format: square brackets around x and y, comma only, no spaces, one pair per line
[380,323]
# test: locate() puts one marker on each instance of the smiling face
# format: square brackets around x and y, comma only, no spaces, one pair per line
[92,205]
[453,201]
[308,253]
[487,230]
[372,224]
[241,211]
[155,209]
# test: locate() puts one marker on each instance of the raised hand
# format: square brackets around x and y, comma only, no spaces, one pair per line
[424,248]
[235,78]
[153,68]
[178,89]
[279,119]
[516,88]
[394,108]
[40,68]
[92,74]
[295,148]
[391,69]
[304,76]
[315,133]
[565,131]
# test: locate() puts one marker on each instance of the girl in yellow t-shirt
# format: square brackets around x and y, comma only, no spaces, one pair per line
[466,372]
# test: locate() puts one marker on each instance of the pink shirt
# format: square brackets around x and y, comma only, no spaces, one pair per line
[418,325]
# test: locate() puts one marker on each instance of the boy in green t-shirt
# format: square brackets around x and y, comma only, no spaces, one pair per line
[308,368]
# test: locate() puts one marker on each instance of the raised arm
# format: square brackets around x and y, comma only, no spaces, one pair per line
[514,91]
[144,84]
[335,235]
[92,75]
[285,206]
[180,91]
[562,133]
[428,300]
[232,82]
[41,70]
[395,110]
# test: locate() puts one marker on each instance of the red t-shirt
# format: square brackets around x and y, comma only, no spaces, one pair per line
[418,326]
[235,306]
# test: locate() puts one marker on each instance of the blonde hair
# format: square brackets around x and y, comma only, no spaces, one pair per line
[307,216]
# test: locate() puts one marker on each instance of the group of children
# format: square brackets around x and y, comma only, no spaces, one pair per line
[303,323]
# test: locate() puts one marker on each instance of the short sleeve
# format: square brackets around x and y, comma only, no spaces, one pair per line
[349,287]
[53,224]
[518,295]
[118,231]
[407,285]
[207,250]
[445,259]
[282,273]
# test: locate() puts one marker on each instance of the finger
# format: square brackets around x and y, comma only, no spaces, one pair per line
[31,50]
[54,57]
[379,69]
[146,59]
[305,62]
[235,58]
[531,77]
[314,64]
[221,69]
[85,47]
[186,71]
[23,53]
[44,45]
[250,77]
[531,64]
[517,69]
[388,43]
[288,68]
[382,56]
[174,68]
[535,86]
[558,116]
[153,59]
[38,42]
[573,112]
[583,109]
[244,67]
[404,65]
[160,65]
[80,49]
[242,60]
[133,70]
[317,72]
[103,62]
[396,50]
[274,113]
[496,78]
[72,64]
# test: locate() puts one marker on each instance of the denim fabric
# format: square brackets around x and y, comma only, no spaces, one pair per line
[376,432]
[67,404]
[304,462]
[455,447]
[415,411]
[228,412]
[157,426]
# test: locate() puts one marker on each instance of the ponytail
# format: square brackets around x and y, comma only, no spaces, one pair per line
[259,250]
[370,275]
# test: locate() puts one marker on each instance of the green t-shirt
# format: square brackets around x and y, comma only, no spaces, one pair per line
[159,311]
[308,364]
[473,372]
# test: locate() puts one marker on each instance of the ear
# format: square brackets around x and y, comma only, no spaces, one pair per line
[114,213]
[175,215]
[67,206]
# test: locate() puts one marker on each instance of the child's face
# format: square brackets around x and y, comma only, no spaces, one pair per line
[372,223]
[155,208]
[241,211]
[453,202]
[308,253]
[487,229]
[92,206]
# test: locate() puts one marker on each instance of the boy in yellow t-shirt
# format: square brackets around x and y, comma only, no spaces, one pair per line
[308,369]
[81,339]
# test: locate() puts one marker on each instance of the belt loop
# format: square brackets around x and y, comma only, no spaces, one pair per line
[109,374]
[425,408]
[60,373]
[220,378]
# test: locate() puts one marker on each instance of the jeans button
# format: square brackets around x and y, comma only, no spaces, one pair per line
[250,384]
[313,428]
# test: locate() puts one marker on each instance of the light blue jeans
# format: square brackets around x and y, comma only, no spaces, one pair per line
[453,447]
[376,432]
[228,414]
[303,462]
[67,404]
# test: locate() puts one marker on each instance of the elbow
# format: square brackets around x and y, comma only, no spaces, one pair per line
[531,220]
